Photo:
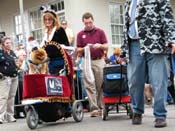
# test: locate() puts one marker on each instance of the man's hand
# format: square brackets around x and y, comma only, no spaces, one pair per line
[80,50]
[100,46]
[173,48]
[97,46]
[120,60]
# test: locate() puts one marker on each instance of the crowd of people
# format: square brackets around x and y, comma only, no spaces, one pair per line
[146,41]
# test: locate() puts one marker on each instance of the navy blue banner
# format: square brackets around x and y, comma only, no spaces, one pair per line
[54,86]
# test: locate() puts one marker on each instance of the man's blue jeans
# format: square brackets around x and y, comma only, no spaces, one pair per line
[151,67]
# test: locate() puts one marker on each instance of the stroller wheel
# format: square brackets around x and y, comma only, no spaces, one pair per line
[32,119]
[77,111]
[104,113]
[130,111]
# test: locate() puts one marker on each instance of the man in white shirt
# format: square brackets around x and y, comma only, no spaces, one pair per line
[68,31]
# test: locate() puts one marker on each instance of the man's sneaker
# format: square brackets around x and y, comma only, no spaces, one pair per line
[137,119]
[1,122]
[11,119]
[94,113]
[159,123]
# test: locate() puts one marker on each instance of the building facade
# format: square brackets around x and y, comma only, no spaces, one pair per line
[108,15]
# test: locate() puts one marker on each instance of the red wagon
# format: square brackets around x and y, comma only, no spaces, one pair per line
[115,89]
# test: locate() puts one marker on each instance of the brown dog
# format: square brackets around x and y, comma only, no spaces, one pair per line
[38,63]
[148,94]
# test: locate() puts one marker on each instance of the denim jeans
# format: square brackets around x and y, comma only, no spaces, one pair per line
[151,67]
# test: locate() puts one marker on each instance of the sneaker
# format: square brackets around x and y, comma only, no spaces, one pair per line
[1,122]
[137,119]
[11,119]
[22,115]
[94,113]
[159,123]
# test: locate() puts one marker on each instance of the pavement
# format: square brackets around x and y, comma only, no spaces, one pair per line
[115,122]
[147,121]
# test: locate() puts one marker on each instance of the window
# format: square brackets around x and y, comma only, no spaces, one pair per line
[35,19]
[35,24]
[18,29]
[116,22]
[59,8]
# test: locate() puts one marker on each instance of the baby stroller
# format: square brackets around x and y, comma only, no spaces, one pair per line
[48,98]
[115,89]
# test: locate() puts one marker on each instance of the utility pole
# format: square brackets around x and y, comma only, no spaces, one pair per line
[21,6]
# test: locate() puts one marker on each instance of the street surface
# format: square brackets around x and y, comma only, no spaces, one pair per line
[115,122]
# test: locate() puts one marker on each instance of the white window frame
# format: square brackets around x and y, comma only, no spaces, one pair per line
[35,24]
[18,29]
[117,25]
[60,12]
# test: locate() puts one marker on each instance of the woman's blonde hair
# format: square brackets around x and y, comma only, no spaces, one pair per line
[52,15]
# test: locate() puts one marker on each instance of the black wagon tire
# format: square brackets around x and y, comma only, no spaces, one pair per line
[130,112]
[32,119]
[104,114]
[77,111]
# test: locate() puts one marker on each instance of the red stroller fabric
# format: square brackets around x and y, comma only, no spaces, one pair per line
[35,86]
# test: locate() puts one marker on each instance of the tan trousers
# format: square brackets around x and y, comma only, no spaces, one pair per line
[8,88]
[94,90]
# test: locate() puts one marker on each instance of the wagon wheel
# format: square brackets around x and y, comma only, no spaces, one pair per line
[130,111]
[77,111]
[32,119]
[104,113]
